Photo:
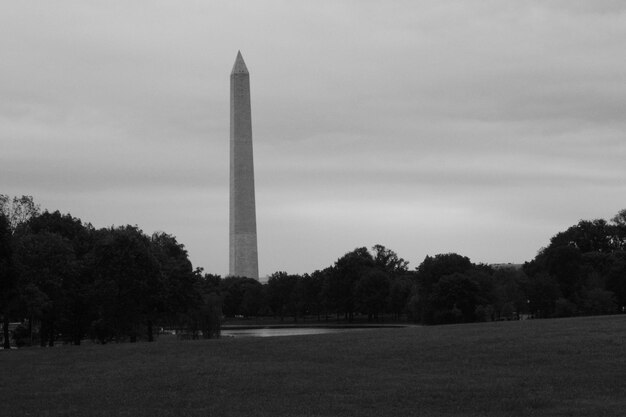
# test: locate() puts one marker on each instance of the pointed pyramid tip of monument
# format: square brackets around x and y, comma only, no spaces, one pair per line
[240,66]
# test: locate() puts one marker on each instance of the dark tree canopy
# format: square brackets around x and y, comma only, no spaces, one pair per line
[583,267]
[64,279]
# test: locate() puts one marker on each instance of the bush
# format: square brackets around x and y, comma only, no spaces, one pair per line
[448,316]
[564,308]
[21,336]
[101,331]
[600,301]
[507,312]
[484,312]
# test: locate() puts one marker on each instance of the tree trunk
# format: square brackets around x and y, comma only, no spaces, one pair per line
[77,331]
[5,332]
[150,336]
[30,329]
[43,333]
[51,335]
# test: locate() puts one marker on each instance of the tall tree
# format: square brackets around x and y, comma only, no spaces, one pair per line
[325,302]
[16,213]
[309,290]
[343,276]
[400,291]
[389,261]
[178,278]
[75,314]
[18,210]
[429,272]
[281,293]
[371,291]
[7,286]
[455,298]
[233,291]
[206,313]
[128,282]
[584,260]
[46,261]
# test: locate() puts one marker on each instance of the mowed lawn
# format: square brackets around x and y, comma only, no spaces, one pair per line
[566,367]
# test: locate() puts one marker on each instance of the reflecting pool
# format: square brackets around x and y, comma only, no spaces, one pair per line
[287,331]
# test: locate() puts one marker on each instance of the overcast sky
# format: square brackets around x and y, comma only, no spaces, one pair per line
[476,127]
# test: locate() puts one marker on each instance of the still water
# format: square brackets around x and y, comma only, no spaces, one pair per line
[274,332]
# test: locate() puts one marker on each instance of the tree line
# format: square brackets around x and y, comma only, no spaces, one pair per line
[64,279]
[581,272]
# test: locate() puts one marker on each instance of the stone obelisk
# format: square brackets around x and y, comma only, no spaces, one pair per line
[243,247]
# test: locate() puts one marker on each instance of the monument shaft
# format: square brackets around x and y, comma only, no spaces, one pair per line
[243,239]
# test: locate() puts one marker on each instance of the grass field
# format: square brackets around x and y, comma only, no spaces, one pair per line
[567,367]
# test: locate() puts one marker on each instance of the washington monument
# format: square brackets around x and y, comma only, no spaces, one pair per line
[243,248]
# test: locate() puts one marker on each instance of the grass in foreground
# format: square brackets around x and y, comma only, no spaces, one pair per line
[567,367]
